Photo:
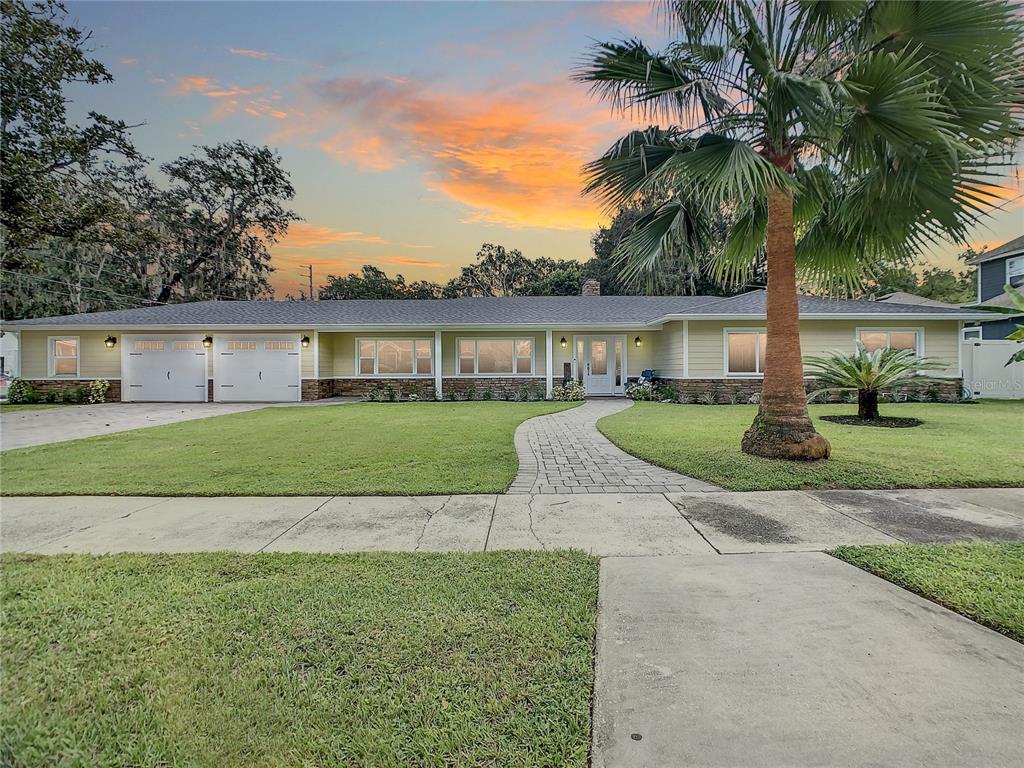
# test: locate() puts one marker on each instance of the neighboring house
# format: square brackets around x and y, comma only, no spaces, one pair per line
[997,268]
[287,350]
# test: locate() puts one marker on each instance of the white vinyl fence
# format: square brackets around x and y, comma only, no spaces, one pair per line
[986,373]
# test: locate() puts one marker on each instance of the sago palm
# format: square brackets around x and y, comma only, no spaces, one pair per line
[835,135]
[868,373]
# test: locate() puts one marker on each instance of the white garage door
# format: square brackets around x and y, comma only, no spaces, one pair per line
[264,368]
[164,368]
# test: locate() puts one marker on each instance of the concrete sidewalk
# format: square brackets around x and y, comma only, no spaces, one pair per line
[606,524]
[794,659]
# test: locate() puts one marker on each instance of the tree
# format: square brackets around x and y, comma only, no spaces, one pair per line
[868,373]
[678,273]
[51,171]
[498,271]
[839,135]
[373,283]
[219,217]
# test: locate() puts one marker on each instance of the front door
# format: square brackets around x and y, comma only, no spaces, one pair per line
[598,365]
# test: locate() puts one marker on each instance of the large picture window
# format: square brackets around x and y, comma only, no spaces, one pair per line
[63,356]
[885,338]
[1015,271]
[745,352]
[394,357]
[495,357]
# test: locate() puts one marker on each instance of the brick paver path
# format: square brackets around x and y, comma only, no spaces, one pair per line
[564,453]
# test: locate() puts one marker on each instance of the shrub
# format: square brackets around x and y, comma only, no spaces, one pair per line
[707,398]
[538,392]
[471,392]
[20,391]
[75,395]
[488,394]
[642,390]
[568,392]
[97,391]
[932,395]
[51,396]
[413,397]
[391,394]
[374,394]
[524,393]
[452,395]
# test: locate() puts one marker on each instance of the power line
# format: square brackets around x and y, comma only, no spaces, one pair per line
[109,292]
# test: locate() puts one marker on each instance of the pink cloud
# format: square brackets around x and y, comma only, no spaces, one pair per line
[249,53]
[128,62]
[302,235]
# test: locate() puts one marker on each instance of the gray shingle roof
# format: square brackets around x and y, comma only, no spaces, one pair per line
[521,310]
[1009,247]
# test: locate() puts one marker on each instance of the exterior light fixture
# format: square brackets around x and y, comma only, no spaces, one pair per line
[304,341]
[208,342]
[563,343]
[109,342]
[638,341]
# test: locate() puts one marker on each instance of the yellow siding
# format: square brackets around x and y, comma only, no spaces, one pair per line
[668,361]
[819,337]
[95,361]
[449,347]
[338,350]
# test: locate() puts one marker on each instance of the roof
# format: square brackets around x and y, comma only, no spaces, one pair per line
[1003,301]
[549,311]
[901,297]
[1009,248]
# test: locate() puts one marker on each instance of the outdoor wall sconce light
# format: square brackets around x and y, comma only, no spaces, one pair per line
[563,343]
[638,341]
[208,342]
[305,342]
[109,342]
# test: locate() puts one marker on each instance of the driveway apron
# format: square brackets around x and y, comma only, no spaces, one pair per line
[565,453]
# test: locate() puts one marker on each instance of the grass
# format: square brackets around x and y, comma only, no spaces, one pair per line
[5,407]
[983,581]
[280,660]
[957,446]
[356,449]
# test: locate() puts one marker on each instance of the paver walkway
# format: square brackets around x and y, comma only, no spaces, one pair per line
[565,453]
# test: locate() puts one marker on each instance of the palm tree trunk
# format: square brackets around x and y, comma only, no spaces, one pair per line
[782,428]
[867,404]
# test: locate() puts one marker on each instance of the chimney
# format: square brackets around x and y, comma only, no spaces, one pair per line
[591,288]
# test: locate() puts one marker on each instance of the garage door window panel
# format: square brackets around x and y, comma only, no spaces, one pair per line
[64,356]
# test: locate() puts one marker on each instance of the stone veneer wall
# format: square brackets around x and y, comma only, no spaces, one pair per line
[742,389]
[423,388]
[42,386]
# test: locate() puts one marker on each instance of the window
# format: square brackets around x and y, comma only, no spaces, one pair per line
[149,346]
[278,346]
[974,332]
[242,346]
[64,356]
[187,346]
[745,352]
[1015,271]
[872,339]
[496,357]
[394,357]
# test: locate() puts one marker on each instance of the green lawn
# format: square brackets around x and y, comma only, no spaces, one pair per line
[957,446]
[983,581]
[12,407]
[356,449]
[285,660]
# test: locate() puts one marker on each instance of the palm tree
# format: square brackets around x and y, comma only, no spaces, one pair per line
[837,136]
[868,373]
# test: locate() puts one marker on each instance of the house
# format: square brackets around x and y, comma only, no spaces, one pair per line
[291,350]
[997,268]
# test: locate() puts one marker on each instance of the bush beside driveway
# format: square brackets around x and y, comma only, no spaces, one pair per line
[958,446]
[355,449]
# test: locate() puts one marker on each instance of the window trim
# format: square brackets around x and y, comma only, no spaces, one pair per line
[376,358]
[760,331]
[971,329]
[51,357]
[919,330]
[515,358]
[1019,258]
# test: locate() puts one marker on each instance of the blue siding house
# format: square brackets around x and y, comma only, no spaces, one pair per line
[997,268]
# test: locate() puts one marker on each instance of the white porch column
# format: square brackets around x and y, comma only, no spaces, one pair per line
[686,349]
[316,356]
[548,373]
[437,366]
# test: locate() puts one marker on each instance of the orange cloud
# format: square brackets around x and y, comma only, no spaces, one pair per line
[183,86]
[406,260]
[128,61]
[302,235]
[512,156]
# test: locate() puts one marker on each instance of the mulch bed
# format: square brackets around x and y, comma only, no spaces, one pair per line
[893,422]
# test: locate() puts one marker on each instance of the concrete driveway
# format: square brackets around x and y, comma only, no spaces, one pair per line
[20,429]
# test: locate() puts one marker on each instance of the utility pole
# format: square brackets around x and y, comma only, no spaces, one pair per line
[308,268]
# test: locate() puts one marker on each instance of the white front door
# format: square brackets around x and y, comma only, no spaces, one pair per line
[164,368]
[599,365]
[257,368]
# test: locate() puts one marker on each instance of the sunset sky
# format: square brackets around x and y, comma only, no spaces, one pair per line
[413,132]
